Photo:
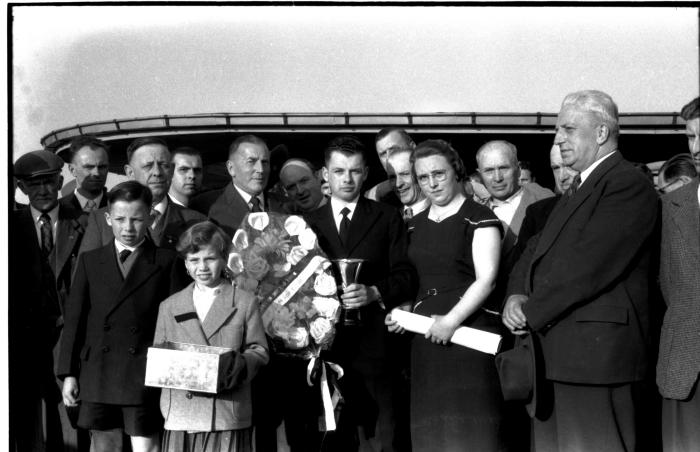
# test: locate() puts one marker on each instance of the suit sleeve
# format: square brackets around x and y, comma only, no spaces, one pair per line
[75,324]
[605,248]
[401,283]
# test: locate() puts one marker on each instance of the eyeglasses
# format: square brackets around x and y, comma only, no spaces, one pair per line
[439,175]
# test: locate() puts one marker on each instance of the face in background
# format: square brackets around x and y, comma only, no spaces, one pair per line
[249,167]
[187,175]
[401,176]
[129,221]
[42,191]
[437,179]
[150,166]
[525,177]
[302,186]
[345,175]
[563,175]
[499,171]
[393,139]
[90,167]
[579,137]
[205,266]
[692,131]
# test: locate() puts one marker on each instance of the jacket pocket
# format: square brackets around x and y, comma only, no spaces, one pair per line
[603,313]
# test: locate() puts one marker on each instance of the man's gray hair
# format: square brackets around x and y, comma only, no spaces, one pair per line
[499,144]
[598,103]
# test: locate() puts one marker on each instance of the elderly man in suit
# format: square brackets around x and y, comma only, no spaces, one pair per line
[44,240]
[89,164]
[583,287]
[249,166]
[149,164]
[679,353]
[351,226]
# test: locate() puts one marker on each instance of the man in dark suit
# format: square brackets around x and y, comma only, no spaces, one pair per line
[351,226]
[150,165]
[44,240]
[89,164]
[249,166]
[583,287]
[387,140]
[109,324]
[187,177]
[679,353]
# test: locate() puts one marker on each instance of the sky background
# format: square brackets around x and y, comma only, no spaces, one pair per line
[77,64]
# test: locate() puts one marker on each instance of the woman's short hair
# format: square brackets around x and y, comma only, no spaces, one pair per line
[203,234]
[444,149]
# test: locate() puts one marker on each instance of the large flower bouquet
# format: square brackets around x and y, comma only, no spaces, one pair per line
[277,257]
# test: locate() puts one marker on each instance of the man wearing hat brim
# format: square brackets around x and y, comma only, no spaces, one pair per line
[44,241]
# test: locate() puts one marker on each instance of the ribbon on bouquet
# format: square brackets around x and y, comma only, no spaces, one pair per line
[329,403]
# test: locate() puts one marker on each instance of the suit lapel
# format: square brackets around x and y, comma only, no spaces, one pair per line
[220,312]
[68,233]
[111,275]
[186,318]
[328,230]
[685,214]
[363,219]
[144,267]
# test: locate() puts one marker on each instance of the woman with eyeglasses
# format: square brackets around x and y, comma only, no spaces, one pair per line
[455,247]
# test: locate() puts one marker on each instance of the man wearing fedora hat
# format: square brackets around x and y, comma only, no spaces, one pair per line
[44,241]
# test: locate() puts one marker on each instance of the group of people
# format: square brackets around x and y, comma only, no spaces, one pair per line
[600,275]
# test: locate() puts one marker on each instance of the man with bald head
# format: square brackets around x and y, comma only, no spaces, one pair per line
[582,291]
[302,185]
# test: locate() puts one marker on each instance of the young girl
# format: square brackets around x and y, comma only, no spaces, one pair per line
[211,311]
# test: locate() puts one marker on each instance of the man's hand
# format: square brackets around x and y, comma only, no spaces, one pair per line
[357,295]
[441,330]
[513,316]
[391,324]
[70,391]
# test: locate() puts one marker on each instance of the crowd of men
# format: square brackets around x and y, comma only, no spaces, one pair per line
[587,269]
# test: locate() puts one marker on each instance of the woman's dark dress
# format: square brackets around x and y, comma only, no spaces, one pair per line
[456,401]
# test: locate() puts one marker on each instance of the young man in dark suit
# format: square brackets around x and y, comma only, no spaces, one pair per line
[351,226]
[150,165]
[583,287]
[89,164]
[109,325]
[44,240]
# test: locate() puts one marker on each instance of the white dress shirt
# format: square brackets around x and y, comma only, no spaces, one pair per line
[83,200]
[247,197]
[337,205]
[203,298]
[505,210]
[587,172]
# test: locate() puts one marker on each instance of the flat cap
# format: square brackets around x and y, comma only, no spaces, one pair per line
[37,163]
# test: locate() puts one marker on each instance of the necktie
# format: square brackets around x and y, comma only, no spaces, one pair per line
[46,234]
[344,229]
[89,206]
[255,204]
[154,218]
[407,214]
[123,254]
[574,185]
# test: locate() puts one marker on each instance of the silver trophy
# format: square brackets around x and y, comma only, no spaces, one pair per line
[347,271]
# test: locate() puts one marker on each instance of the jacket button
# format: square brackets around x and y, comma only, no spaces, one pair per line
[133,330]
[105,349]
[106,327]
[132,350]
[188,395]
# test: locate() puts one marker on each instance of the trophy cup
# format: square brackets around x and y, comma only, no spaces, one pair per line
[348,271]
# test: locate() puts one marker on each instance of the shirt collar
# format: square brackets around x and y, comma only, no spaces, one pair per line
[418,206]
[587,172]
[121,247]
[337,205]
[247,196]
[515,197]
[161,206]
[36,215]
[174,200]
[83,200]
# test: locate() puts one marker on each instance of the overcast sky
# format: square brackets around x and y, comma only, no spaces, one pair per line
[89,63]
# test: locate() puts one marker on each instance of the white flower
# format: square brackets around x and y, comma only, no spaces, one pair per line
[296,254]
[324,284]
[235,263]
[294,224]
[298,338]
[307,239]
[240,240]
[321,330]
[281,269]
[326,307]
[258,220]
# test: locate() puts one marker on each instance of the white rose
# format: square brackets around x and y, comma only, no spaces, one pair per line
[258,220]
[281,269]
[298,338]
[240,240]
[307,239]
[296,254]
[326,307]
[324,284]
[235,263]
[321,330]
[294,225]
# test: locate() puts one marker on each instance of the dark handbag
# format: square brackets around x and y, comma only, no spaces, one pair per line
[516,370]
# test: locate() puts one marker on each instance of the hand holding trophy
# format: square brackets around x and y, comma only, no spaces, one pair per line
[347,272]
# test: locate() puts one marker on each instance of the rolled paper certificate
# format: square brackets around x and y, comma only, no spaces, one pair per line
[465,336]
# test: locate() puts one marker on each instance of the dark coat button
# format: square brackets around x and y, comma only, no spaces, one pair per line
[105,348]
[132,350]
[134,329]
[106,327]
[188,395]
